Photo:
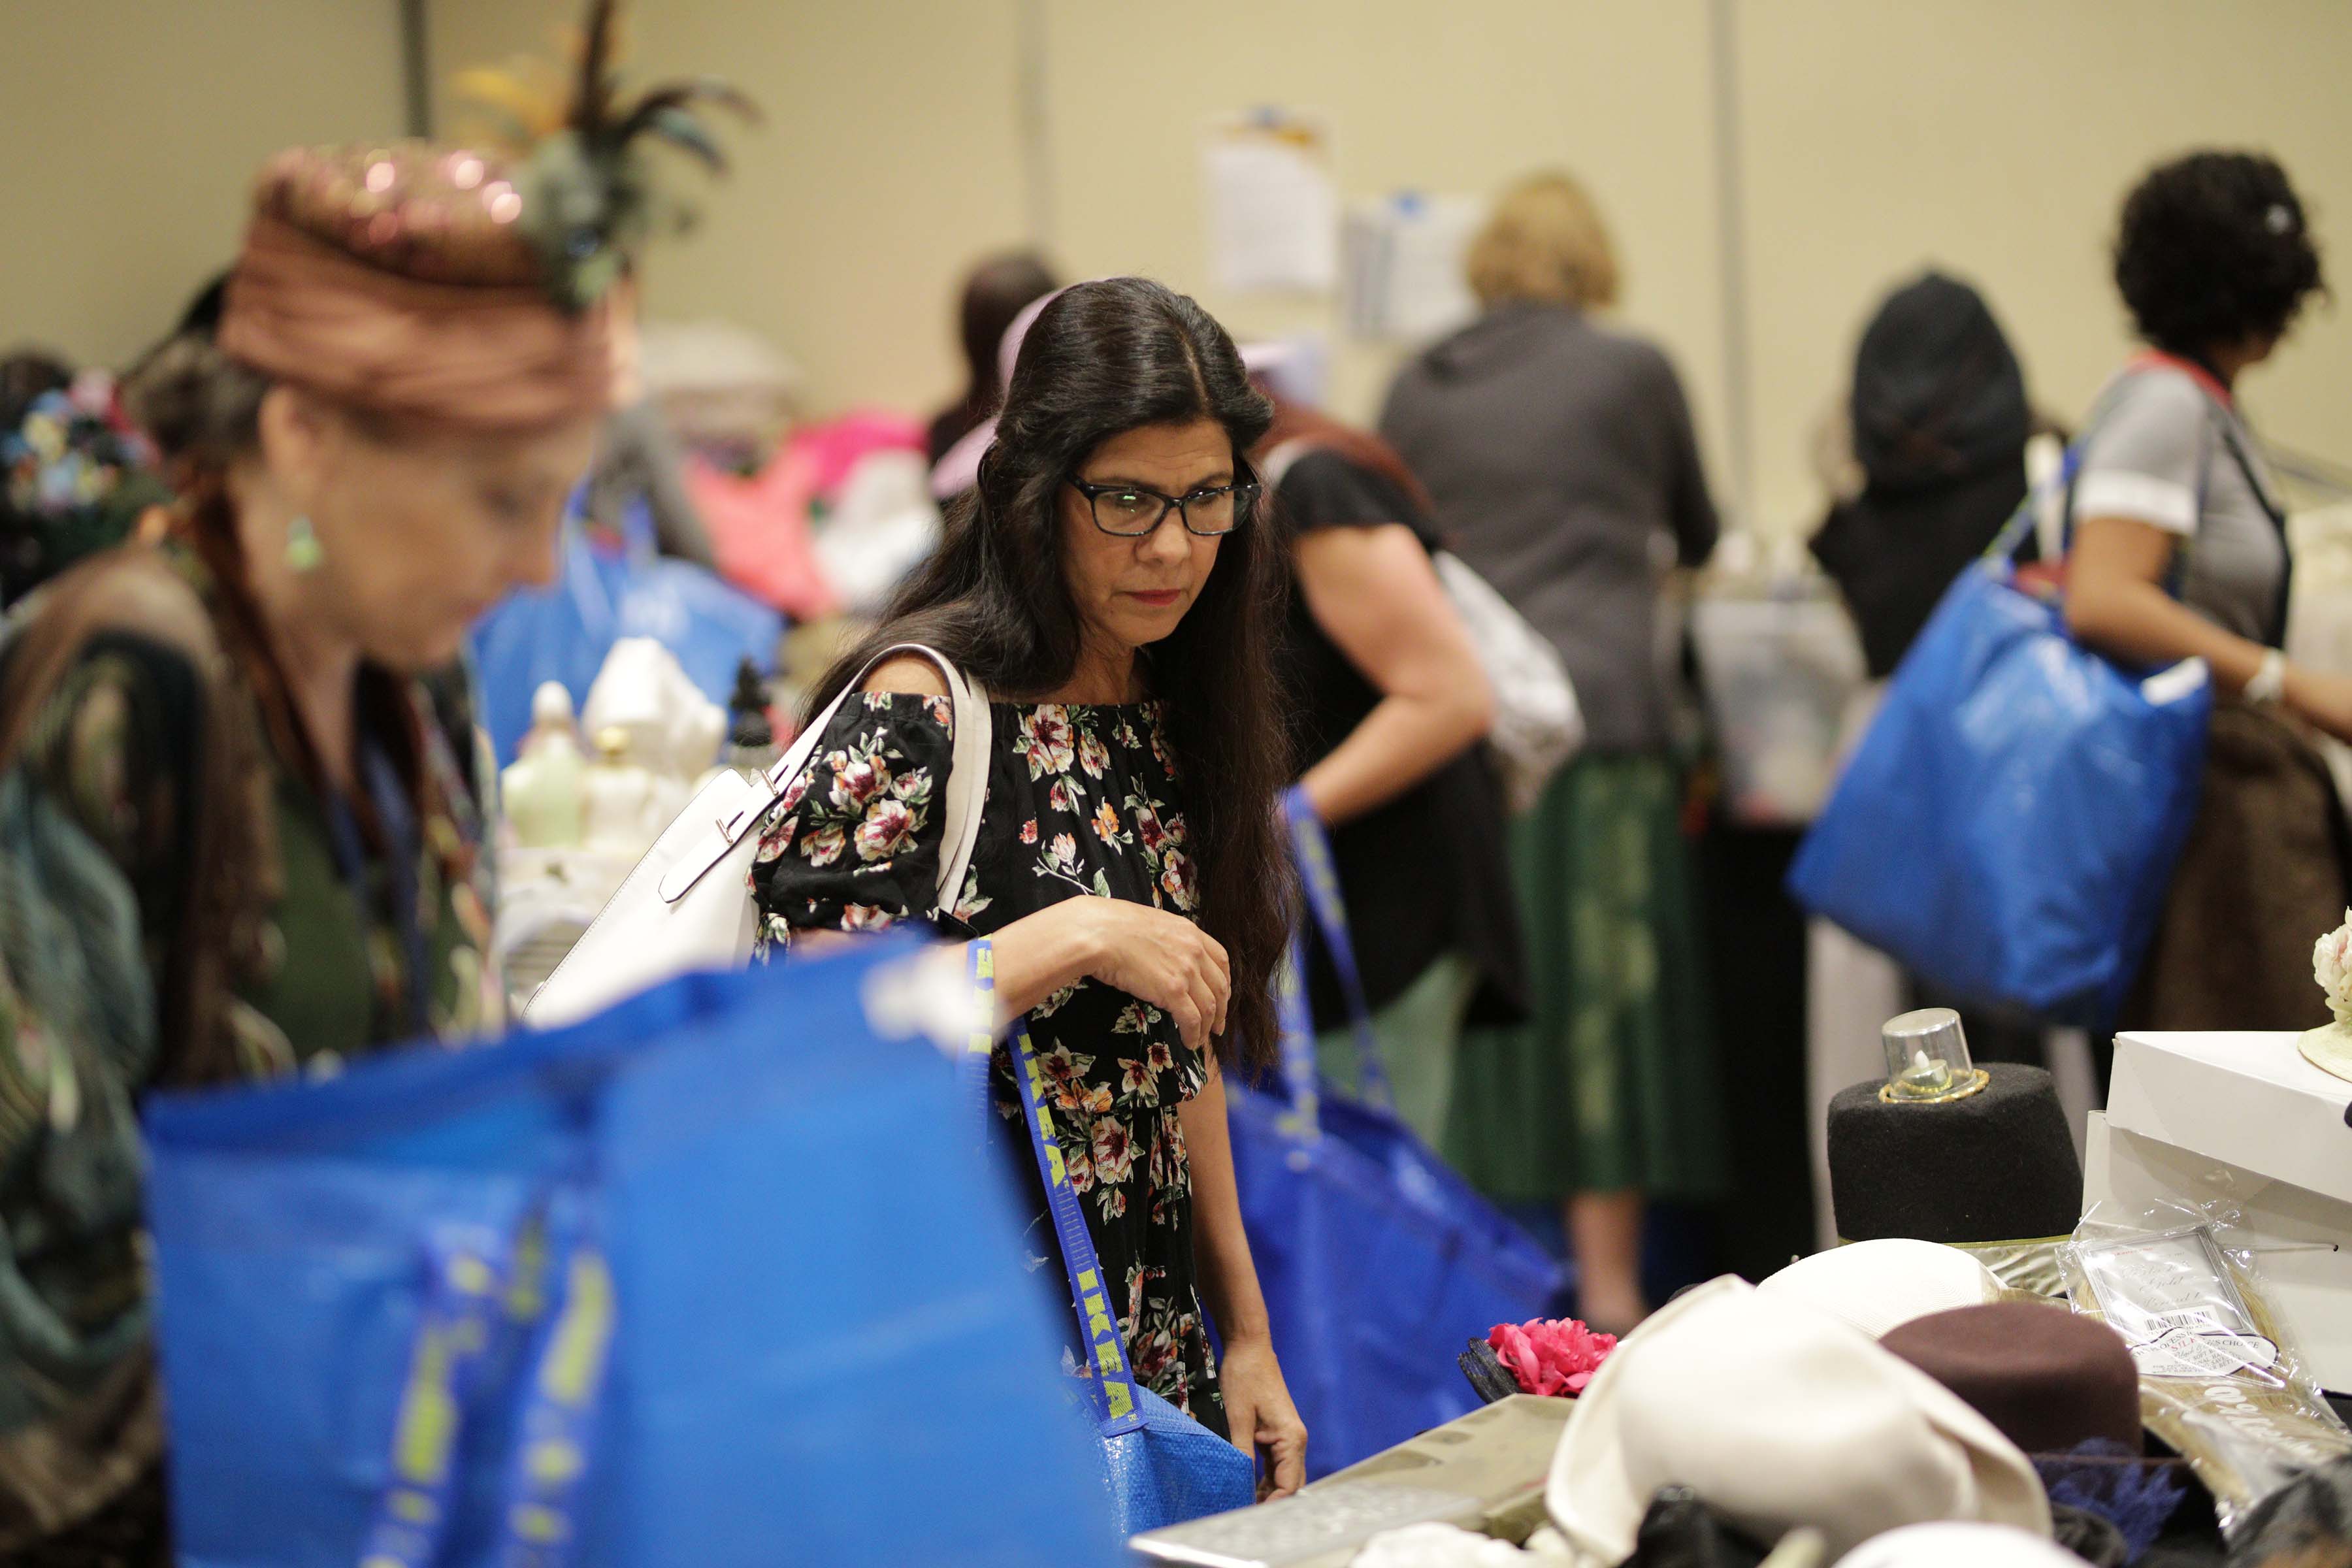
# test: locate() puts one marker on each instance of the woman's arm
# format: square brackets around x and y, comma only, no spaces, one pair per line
[1258,1409]
[1375,595]
[1155,956]
[2115,601]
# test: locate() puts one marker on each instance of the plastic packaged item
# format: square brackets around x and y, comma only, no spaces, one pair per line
[1777,673]
[542,790]
[2221,1379]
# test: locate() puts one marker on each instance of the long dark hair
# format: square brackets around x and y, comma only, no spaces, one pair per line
[997,290]
[1105,358]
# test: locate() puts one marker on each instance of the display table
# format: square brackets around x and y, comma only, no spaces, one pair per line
[1484,1472]
[2241,1119]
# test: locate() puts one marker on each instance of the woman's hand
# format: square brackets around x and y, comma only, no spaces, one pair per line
[1155,957]
[1259,1414]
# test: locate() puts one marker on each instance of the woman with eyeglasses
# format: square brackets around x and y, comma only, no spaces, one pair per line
[1113,586]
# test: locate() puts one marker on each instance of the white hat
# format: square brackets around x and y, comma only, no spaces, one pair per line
[1959,1546]
[1778,1415]
[1882,1285]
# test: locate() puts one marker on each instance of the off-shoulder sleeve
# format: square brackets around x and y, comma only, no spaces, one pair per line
[854,844]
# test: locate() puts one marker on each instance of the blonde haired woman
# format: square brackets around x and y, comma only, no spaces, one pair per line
[1560,457]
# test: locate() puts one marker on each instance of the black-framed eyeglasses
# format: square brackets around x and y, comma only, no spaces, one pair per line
[1130,511]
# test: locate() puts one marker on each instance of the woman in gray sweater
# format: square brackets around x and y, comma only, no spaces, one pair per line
[1562,462]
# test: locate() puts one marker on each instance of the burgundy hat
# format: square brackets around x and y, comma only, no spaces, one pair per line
[2049,1379]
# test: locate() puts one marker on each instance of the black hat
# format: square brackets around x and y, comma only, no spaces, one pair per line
[1987,1159]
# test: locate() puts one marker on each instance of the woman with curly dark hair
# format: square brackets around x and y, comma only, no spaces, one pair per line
[1113,583]
[2181,551]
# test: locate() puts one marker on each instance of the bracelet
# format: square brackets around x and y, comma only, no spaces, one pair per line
[2269,683]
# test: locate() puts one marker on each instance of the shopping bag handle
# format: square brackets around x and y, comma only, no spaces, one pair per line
[540,1521]
[474,1275]
[468,1271]
[1311,847]
[1110,1381]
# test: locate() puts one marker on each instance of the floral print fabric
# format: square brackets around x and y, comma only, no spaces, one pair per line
[1083,801]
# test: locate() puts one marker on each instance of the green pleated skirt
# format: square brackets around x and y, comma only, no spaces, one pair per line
[1613,1083]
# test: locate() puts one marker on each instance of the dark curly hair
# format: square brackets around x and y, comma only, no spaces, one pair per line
[1103,358]
[2214,249]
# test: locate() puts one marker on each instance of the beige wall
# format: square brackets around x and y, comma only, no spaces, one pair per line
[132,128]
[1992,136]
[1454,97]
[887,159]
[1997,137]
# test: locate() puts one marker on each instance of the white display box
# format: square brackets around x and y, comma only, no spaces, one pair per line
[2243,1121]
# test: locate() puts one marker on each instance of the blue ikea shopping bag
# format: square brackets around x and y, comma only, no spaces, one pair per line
[1159,1466]
[602,593]
[1377,1260]
[714,1278]
[2008,825]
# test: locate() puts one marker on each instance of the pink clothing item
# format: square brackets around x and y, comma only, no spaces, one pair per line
[760,531]
[840,444]
[760,526]
[958,468]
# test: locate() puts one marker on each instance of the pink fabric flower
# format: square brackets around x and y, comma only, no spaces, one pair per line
[1550,1356]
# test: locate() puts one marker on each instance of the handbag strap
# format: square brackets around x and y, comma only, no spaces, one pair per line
[1320,874]
[2221,414]
[1111,1380]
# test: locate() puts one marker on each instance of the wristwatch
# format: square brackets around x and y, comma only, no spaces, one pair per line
[2269,683]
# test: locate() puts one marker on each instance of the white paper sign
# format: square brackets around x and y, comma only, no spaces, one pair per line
[1273,212]
[1403,277]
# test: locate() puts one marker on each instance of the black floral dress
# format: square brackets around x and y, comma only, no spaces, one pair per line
[1083,801]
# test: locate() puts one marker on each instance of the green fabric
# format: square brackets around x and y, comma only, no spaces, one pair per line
[1418,1034]
[76,1017]
[1612,1084]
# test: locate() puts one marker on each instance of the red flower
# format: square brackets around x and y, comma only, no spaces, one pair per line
[1176,879]
[1029,831]
[1551,1355]
[855,783]
[1045,741]
[1114,1150]
[888,828]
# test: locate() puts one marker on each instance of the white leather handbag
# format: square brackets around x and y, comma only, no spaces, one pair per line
[688,904]
[1538,724]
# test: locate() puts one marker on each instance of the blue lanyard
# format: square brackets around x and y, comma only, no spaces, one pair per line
[1321,875]
[398,817]
[1111,1388]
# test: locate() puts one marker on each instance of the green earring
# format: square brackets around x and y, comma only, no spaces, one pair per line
[303,552]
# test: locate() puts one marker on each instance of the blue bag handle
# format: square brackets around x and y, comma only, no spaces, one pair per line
[1110,1385]
[1320,873]
[474,1275]
[468,1272]
[539,1519]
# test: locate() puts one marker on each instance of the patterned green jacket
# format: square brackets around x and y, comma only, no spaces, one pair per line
[150,811]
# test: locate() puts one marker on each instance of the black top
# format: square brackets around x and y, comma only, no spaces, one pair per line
[1940,421]
[1427,873]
